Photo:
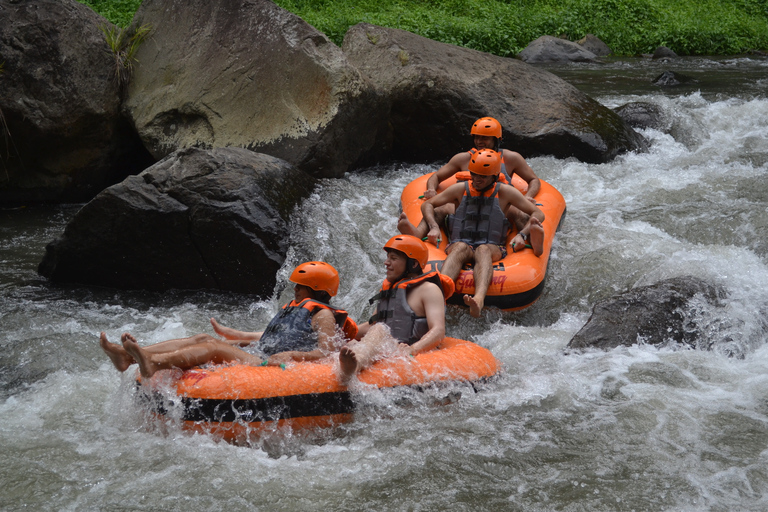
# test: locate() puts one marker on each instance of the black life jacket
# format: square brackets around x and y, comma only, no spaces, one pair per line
[394,311]
[291,328]
[478,219]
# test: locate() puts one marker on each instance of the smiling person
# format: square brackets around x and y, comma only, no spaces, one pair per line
[410,312]
[479,228]
[306,329]
[486,134]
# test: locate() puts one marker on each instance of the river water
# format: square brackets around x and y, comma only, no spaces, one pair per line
[638,428]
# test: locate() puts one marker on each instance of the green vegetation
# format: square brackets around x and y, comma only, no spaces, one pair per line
[124,42]
[119,12]
[504,27]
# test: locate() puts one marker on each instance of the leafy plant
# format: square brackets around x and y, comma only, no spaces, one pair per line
[124,43]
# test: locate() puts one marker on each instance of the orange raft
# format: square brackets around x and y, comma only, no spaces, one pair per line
[230,401]
[518,279]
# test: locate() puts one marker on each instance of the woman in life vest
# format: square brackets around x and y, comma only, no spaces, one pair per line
[306,329]
[410,311]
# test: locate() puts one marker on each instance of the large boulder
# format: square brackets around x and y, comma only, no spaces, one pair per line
[62,137]
[644,114]
[197,219]
[595,45]
[554,49]
[438,90]
[672,78]
[248,73]
[661,313]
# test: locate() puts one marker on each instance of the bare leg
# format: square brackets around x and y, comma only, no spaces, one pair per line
[406,227]
[536,233]
[348,363]
[458,254]
[117,354]
[172,345]
[233,336]
[187,357]
[516,217]
[146,366]
[485,255]
[358,355]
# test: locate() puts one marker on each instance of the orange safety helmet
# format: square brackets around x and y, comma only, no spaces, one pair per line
[487,126]
[411,246]
[317,275]
[486,162]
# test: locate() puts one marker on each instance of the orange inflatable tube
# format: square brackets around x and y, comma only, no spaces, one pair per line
[231,401]
[518,279]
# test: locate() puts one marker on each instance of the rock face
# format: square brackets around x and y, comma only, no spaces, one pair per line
[653,314]
[644,114]
[438,90]
[248,73]
[595,45]
[671,79]
[662,52]
[197,219]
[64,138]
[554,49]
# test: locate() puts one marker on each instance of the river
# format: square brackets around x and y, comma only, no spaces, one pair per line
[638,428]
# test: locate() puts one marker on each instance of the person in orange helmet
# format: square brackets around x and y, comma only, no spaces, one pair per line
[486,134]
[410,309]
[479,227]
[304,330]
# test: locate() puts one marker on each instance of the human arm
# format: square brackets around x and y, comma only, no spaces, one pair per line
[450,195]
[515,163]
[509,195]
[233,336]
[430,300]
[457,163]
[362,329]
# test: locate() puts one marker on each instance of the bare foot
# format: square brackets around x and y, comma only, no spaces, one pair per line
[348,363]
[475,306]
[146,366]
[536,233]
[220,329]
[405,226]
[117,354]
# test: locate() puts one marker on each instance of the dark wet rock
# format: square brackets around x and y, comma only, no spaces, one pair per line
[672,78]
[662,52]
[438,90]
[661,313]
[248,73]
[595,45]
[65,138]
[643,114]
[197,219]
[553,49]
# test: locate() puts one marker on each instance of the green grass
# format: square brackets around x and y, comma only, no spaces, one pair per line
[119,12]
[505,27]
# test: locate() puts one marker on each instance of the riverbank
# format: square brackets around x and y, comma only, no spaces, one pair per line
[628,27]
